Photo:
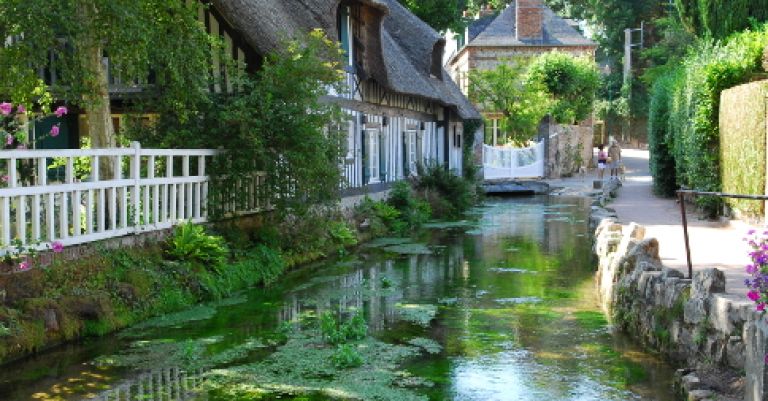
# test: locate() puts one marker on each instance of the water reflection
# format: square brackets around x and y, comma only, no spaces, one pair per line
[513,297]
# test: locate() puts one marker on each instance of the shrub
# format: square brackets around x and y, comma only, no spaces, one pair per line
[413,211]
[694,103]
[448,194]
[191,244]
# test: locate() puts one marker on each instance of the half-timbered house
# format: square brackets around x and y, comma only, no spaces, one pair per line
[403,107]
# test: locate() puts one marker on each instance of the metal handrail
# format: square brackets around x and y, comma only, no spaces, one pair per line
[681,200]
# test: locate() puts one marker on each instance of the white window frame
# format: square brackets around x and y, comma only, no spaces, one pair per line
[373,149]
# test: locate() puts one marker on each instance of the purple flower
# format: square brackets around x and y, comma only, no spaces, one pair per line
[55,131]
[21,109]
[753,295]
[751,232]
[4,178]
[6,108]
[57,247]
[9,139]
[760,307]
[751,269]
[60,111]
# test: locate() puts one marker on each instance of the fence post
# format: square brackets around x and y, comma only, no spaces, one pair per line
[136,175]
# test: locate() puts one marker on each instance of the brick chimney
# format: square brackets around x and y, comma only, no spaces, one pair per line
[529,18]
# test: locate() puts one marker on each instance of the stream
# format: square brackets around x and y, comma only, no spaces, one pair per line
[498,307]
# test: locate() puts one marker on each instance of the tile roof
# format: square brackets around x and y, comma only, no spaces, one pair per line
[502,31]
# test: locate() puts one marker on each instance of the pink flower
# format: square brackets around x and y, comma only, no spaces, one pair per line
[57,247]
[6,108]
[60,111]
[9,139]
[24,265]
[760,307]
[753,295]
[55,130]
[751,232]
[4,178]
[21,109]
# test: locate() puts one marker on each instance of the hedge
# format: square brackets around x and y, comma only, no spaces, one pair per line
[659,142]
[742,145]
[693,103]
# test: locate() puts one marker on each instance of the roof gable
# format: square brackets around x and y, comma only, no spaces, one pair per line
[502,31]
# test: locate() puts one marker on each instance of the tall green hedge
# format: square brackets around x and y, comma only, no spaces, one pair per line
[720,18]
[742,144]
[659,141]
[693,103]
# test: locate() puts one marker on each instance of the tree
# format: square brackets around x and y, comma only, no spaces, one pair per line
[141,38]
[439,14]
[505,90]
[571,82]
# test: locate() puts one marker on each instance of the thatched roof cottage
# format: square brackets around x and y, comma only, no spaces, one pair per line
[404,108]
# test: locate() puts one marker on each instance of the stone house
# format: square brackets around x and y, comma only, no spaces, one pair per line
[525,29]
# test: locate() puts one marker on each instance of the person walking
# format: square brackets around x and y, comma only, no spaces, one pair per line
[614,155]
[602,161]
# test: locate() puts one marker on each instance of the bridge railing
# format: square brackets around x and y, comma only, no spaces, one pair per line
[503,162]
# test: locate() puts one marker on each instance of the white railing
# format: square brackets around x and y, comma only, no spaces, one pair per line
[500,162]
[151,189]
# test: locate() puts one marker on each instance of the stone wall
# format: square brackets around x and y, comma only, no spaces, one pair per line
[692,322]
[569,147]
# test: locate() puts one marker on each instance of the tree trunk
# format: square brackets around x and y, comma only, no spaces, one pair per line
[98,111]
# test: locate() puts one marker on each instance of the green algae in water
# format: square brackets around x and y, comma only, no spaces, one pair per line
[303,366]
[449,224]
[188,354]
[420,314]
[387,241]
[591,320]
[201,312]
[429,345]
[409,249]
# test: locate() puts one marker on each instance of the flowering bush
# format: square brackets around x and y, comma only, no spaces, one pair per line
[758,269]
[14,127]
[15,121]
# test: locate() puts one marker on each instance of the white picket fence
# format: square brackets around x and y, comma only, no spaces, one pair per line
[152,189]
[503,162]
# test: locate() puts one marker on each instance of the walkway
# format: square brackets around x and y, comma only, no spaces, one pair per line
[713,244]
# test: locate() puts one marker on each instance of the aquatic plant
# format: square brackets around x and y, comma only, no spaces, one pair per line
[346,356]
[335,333]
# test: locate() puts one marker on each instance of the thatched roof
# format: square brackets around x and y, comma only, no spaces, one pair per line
[406,43]
[502,31]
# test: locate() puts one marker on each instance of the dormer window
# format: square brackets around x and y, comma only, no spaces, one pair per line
[344,26]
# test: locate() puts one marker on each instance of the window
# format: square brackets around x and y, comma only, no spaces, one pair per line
[411,153]
[372,151]
[345,38]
